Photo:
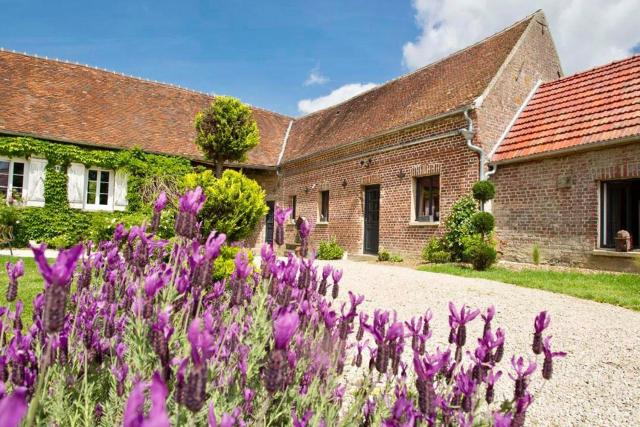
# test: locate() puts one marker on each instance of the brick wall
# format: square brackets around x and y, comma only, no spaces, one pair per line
[553,203]
[341,172]
[533,59]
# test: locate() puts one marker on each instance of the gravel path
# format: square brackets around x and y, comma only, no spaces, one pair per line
[597,384]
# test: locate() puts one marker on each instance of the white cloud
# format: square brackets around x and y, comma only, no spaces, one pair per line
[343,93]
[315,78]
[587,33]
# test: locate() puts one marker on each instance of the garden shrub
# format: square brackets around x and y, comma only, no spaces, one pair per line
[535,255]
[143,337]
[483,191]
[479,252]
[224,264]
[434,252]
[482,223]
[383,255]
[458,226]
[386,256]
[330,250]
[234,205]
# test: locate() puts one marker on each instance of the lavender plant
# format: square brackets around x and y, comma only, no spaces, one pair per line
[134,331]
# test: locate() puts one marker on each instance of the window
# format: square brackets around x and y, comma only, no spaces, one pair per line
[12,180]
[427,203]
[619,210]
[292,204]
[324,206]
[98,188]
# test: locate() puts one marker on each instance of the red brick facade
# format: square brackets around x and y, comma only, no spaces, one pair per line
[554,203]
[395,160]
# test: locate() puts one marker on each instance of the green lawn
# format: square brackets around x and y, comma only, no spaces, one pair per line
[617,289]
[29,286]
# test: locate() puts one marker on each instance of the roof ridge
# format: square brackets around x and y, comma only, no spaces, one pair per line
[424,67]
[593,70]
[132,77]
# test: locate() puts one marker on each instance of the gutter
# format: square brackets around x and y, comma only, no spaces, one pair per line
[598,145]
[468,134]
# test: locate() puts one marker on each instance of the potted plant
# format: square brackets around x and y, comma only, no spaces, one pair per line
[623,241]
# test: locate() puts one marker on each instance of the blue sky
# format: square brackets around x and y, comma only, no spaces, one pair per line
[263,52]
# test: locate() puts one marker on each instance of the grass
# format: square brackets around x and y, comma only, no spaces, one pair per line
[29,285]
[618,289]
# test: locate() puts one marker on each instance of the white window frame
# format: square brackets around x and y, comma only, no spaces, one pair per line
[96,206]
[25,176]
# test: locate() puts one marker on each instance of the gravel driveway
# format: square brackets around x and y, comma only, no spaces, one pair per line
[597,384]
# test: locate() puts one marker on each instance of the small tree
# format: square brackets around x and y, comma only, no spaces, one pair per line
[226,131]
[235,204]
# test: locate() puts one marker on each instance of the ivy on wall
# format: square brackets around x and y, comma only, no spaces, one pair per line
[56,220]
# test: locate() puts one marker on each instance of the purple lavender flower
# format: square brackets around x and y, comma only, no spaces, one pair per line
[304,230]
[501,420]
[303,421]
[336,276]
[541,323]
[326,272]
[491,312]
[280,217]
[522,374]
[57,278]
[547,366]
[491,379]
[13,408]
[161,202]
[460,320]
[14,271]
[284,327]
[133,412]
[189,204]
[276,374]
[522,404]
[157,416]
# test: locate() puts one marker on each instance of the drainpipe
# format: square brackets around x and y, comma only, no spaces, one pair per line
[468,134]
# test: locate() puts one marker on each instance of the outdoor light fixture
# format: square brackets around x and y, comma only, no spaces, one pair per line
[401,174]
[467,134]
[58,168]
[344,183]
[306,190]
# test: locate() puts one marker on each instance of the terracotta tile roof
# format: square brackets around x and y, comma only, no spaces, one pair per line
[595,106]
[437,88]
[63,101]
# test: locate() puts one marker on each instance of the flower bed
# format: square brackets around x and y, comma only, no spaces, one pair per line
[142,335]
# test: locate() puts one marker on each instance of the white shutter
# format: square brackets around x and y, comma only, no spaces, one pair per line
[120,191]
[75,185]
[34,196]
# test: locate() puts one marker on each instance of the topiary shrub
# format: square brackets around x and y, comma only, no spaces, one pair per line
[234,205]
[483,223]
[480,253]
[483,191]
[330,249]
[458,226]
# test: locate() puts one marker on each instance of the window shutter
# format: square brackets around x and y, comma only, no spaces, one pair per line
[34,195]
[75,185]
[120,191]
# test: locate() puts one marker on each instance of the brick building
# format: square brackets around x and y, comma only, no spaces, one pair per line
[568,170]
[381,169]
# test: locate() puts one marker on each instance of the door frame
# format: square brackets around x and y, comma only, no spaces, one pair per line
[273,222]
[364,218]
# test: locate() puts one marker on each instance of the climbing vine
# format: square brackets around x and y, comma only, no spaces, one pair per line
[56,222]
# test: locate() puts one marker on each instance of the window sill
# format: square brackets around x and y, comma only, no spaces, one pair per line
[613,253]
[97,208]
[322,223]
[424,223]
